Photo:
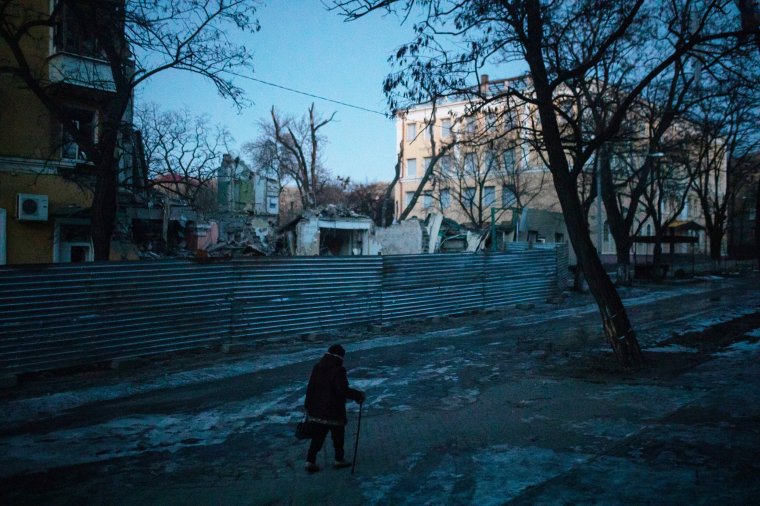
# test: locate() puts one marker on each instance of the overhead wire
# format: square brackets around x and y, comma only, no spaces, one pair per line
[305,93]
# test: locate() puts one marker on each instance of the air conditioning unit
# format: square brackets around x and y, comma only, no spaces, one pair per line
[31,207]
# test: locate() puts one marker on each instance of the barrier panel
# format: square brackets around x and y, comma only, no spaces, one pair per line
[57,315]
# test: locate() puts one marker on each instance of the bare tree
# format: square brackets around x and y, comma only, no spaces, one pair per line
[136,39]
[665,197]
[723,135]
[475,174]
[182,152]
[293,148]
[456,39]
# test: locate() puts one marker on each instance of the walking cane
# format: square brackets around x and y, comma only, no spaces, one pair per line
[356,445]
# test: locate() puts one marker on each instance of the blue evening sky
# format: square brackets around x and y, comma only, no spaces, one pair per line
[303,46]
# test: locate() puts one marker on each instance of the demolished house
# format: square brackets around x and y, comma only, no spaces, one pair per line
[331,231]
[336,231]
[161,224]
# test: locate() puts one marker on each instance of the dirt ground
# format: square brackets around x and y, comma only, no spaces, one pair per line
[522,405]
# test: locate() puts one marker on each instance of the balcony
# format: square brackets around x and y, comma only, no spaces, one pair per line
[80,71]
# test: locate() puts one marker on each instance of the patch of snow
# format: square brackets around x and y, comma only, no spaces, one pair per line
[503,472]
[135,434]
[613,429]
[376,489]
[739,348]
[672,348]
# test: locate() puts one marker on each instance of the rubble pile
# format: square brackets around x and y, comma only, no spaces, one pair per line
[332,211]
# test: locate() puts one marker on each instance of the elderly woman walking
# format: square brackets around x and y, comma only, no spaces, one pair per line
[325,405]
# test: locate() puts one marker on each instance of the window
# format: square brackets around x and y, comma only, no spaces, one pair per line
[411,131]
[445,128]
[408,198]
[471,125]
[427,200]
[445,162]
[469,196]
[509,120]
[469,163]
[85,122]
[411,167]
[559,238]
[273,206]
[73,32]
[492,165]
[489,196]
[426,131]
[427,161]
[649,229]
[509,160]
[445,199]
[508,196]
[491,119]
[606,231]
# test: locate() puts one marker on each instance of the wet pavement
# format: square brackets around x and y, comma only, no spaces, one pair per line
[518,405]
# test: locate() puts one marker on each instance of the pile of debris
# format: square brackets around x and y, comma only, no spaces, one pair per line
[332,211]
[244,236]
[456,238]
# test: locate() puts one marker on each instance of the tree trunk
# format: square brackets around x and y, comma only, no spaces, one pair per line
[104,206]
[657,255]
[622,252]
[617,327]
[716,240]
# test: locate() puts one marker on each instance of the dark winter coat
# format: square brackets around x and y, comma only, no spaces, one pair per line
[328,390]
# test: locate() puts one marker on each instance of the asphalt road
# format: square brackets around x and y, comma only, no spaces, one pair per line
[519,405]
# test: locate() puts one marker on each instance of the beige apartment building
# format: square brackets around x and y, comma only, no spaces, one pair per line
[485,168]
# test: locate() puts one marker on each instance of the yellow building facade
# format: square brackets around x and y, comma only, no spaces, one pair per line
[43,210]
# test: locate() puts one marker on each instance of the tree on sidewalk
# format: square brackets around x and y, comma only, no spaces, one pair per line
[455,40]
[135,39]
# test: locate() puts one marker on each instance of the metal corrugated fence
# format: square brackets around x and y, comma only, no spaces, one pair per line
[66,315]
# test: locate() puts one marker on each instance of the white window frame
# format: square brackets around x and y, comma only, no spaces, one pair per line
[445,128]
[413,172]
[411,131]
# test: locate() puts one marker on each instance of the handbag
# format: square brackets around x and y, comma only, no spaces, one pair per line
[305,429]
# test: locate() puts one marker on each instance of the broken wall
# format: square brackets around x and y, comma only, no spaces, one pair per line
[307,234]
[403,238]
